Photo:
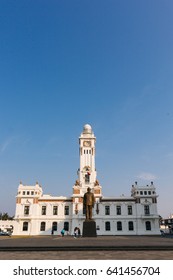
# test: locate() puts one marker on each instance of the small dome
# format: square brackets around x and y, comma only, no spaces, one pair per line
[87,128]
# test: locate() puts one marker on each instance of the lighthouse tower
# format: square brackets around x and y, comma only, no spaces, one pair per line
[87,176]
[87,171]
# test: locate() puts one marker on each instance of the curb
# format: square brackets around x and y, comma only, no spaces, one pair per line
[88,248]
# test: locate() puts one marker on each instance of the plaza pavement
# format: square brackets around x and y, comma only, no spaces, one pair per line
[101,247]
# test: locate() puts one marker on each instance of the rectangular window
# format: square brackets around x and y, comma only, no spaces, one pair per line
[54,226]
[66,226]
[25,226]
[119,226]
[42,226]
[148,225]
[146,210]
[118,210]
[26,210]
[107,226]
[55,210]
[43,210]
[107,210]
[131,226]
[66,210]
[129,209]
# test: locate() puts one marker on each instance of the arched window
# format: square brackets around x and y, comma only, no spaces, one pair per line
[42,226]
[25,226]
[107,226]
[66,226]
[148,225]
[54,226]
[119,225]
[131,227]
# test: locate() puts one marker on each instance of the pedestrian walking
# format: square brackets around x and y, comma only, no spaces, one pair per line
[62,232]
[75,232]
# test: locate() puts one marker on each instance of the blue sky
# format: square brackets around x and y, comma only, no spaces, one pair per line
[67,63]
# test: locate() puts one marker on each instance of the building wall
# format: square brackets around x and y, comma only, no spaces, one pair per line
[104,213]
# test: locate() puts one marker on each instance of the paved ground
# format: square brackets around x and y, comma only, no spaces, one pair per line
[88,255]
[101,247]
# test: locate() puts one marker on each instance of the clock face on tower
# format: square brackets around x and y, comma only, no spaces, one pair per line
[87,143]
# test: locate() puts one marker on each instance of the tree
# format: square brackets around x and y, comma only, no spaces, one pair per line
[5,216]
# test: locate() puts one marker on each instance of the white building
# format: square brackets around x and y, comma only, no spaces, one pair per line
[38,214]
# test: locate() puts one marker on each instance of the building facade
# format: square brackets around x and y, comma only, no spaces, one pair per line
[40,214]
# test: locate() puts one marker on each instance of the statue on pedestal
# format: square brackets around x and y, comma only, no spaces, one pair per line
[88,202]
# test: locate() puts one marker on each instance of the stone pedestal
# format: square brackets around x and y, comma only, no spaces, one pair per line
[89,228]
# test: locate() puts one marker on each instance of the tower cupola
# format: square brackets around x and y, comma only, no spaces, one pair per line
[87,129]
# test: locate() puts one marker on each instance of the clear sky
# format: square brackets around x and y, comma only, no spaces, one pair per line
[67,63]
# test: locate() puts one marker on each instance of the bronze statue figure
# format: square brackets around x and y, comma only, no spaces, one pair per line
[88,202]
